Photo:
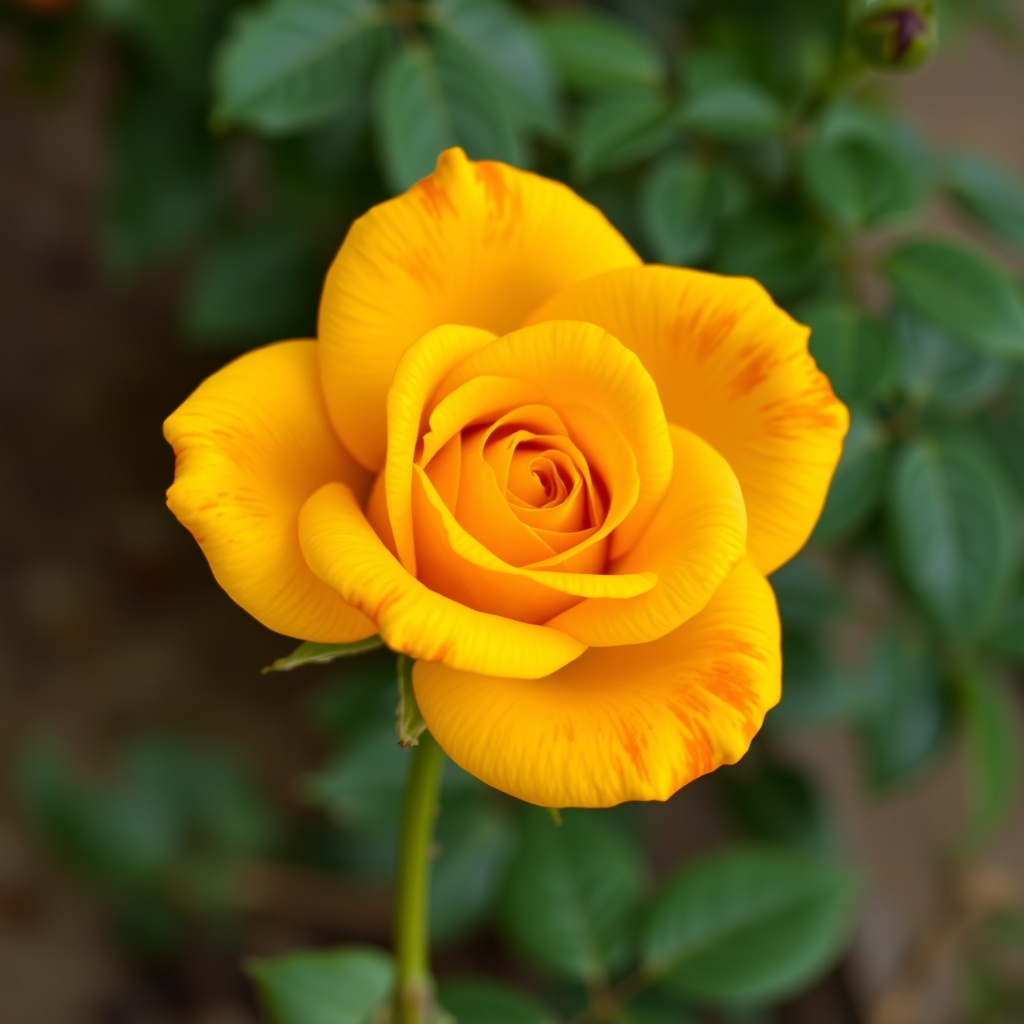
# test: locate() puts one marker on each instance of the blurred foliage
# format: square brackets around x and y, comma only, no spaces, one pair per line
[162,837]
[739,136]
[995,993]
[323,986]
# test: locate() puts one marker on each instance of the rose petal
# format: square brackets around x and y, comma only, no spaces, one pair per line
[625,723]
[455,563]
[474,243]
[343,550]
[694,541]
[252,443]
[734,369]
[416,378]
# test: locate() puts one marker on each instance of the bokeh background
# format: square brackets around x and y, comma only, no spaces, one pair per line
[167,810]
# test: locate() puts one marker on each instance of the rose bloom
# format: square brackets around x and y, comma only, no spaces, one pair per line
[555,477]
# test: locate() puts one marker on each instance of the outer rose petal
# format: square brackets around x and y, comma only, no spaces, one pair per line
[733,368]
[695,539]
[252,443]
[343,550]
[474,243]
[623,723]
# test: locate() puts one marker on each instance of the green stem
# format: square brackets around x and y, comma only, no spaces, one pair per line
[414,992]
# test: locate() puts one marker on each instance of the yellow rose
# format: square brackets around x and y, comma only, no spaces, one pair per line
[555,477]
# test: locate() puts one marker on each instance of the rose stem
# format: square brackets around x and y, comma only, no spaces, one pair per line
[414,993]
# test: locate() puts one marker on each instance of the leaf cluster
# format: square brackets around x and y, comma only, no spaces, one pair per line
[162,837]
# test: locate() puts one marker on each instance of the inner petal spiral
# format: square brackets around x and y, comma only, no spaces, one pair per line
[527,496]
[539,478]
[512,476]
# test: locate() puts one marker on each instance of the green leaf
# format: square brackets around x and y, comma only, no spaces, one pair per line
[701,70]
[774,803]
[409,724]
[935,368]
[905,718]
[815,688]
[216,806]
[1006,640]
[499,36]
[1003,427]
[572,893]
[620,131]
[310,653]
[849,181]
[475,841]
[486,1002]
[362,785]
[751,926]
[361,698]
[989,193]
[366,856]
[747,1015]
[330,986]
[861,170]
[962,291]
[853,351]
[682,200]
[615,196]
[175,818]
[733,112]
[291,64]
[432,98]
[255,285]
[859,481]
[794,44]
[307,167]
[994,755]
[597,53]
[115,837]
[164,191]
[953,524]
[774,245]
[807,596]
[656,1008]
[177,36]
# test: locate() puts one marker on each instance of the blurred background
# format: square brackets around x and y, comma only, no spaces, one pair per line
[175,176]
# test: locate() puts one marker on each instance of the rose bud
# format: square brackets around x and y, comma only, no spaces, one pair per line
[896,36]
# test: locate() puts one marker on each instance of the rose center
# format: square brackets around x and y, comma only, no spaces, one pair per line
[540,478]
